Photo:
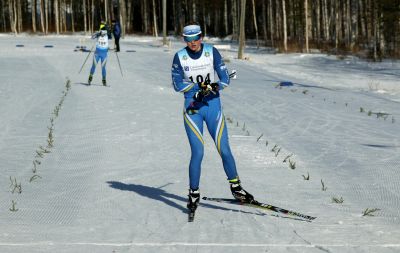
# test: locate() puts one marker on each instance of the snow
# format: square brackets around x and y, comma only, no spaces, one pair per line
[116,178]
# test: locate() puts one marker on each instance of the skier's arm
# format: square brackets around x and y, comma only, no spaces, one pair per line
[95,35]
[222,71]
[180,84]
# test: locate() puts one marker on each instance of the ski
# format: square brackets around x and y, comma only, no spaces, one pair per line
[263,206]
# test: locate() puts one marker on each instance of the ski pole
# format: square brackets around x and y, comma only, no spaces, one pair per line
[87,57]
[233,74]
[119,64]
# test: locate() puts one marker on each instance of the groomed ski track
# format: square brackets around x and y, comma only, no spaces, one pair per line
[116,178]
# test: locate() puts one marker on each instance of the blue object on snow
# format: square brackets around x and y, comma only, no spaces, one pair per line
[48,45]
[286,83]
[19,45]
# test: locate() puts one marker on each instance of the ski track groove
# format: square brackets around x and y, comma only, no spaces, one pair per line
[99,143]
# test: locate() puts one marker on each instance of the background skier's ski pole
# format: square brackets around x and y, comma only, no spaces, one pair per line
[119,64]
[87,57]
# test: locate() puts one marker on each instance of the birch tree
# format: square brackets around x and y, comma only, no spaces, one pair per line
[284,26]
[33,10]
[306,24]
[242,35]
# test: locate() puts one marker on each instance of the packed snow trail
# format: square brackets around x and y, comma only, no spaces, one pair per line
[116,178]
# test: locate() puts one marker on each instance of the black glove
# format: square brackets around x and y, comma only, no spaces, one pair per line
[209,87]
[204,85]
[198,96]
[215,87]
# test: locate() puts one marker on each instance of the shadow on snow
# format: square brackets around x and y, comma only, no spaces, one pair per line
[157,193]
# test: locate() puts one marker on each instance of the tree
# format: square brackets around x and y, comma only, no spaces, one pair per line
[306,24]
[33,13]
[242,35]
[284,25]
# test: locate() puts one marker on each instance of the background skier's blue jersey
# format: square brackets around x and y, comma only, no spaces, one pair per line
[187,86]
[101,44]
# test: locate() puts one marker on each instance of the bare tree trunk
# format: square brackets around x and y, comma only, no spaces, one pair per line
[42,16]
[145,16]
[381,36]
[46,15]
[57,16]
[234,20]
[205,18]
[337,26]
[362,13]
[264,20]
[92,17]
[347,19]
[242,35]
[33,3]
[306,24]
[155,19]
[85,20]
[164,9]
[106,11]
[375,28]
[284,25]
[216,23]
[226,29]
[129,17]
[255,22]
[3,15]
[325,20]
[72,16]
[19,15]
[64,12]
[15,17]
[318,21]
[271,22]
[194,9]
[122,17]
[12,16]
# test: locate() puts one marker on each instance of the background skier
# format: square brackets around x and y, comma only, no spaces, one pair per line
[101,52]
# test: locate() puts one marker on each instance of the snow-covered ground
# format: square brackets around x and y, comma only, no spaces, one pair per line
[115,179]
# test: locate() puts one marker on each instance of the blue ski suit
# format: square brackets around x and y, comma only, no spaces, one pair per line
[188,69]
[101,52]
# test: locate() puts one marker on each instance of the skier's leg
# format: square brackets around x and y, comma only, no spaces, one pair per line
[93,68]
[194,131]
[215,121]
[216,125]
[96,58]
[103,68]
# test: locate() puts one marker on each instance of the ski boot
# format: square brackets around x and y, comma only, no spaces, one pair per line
[90,79]
[239,193]
[193,202]
[104,82]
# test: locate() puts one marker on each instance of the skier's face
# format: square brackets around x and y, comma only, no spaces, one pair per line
[194,45]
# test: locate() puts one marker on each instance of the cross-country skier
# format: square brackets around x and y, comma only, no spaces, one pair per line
[101,52]
[192,72]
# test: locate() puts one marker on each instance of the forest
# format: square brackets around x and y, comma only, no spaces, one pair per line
[367,28]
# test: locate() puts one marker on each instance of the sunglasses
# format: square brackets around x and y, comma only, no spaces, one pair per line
[191,38]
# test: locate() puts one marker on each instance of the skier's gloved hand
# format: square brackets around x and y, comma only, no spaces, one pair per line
[198,96]
[208,87]
[205,85]
[214,87]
